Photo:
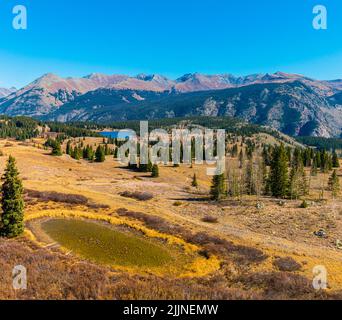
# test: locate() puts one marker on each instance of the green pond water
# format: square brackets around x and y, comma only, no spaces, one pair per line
[105,245]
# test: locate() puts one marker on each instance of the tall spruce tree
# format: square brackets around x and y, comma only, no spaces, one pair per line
[12,203]
[235,151]
[149,167]
[56,149]
[68,148]
[250,181]
[335,160]
[298,184]
[334,184]
[194,182]
[100,154]
[313,171]
[218,188]
[155,171]
[116,151]
[241,159]
[278,177]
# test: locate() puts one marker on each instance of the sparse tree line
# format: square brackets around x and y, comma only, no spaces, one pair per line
[80,151]
[275,171]
[148,168]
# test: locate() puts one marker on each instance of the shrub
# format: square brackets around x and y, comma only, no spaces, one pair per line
[154,222]
[224,248]
[57,197]
[177,203]
[279,284]
[74,199]
[210,219]
[155,171]
[304,204]
[141,196]
[287,264]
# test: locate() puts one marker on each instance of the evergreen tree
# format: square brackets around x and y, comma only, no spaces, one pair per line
[194,182]
[318,159]
[143,167]
[241,159]
[297,160]
[260,176]
[88,153]
[314,168]
[107,150]
[100,154]
[335,160]
[68,148]
[85,153]
[298,185]
[77,153]
[278,178]
[305,184]
[233,183]
[266,156]
[250,179]
[234,151]
[218,188]
[56,149]
[12,218]
[307,157]
[116,151]
[330,162]
[324,161]
[155,171]
[289,154]
[249,152]
[132,166]
[149,167]
[334,184]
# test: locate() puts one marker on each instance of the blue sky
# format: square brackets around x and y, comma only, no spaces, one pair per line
[78,37]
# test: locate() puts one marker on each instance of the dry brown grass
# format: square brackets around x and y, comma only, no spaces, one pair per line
[211,244]
[281,285]
[53,275]
[154,222]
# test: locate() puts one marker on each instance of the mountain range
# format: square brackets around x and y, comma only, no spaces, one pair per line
[5,92]
[294,104]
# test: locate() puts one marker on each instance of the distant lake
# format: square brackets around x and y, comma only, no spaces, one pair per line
[116,134]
